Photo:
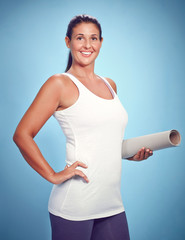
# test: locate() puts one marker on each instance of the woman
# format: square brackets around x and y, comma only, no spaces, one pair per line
[85,201]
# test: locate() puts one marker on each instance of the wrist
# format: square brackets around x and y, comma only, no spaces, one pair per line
[56,177]
[52,177]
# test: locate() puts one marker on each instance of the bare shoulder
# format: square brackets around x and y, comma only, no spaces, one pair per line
[62,88]
[112,83]
[56,81]
[56,84]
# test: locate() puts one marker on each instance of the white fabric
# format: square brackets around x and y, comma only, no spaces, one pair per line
[94,129]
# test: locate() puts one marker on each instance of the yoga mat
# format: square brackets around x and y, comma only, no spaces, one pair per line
[156,141]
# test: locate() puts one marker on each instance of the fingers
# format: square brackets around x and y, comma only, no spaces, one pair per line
[75,171]
[78,163]
[69,172]
[143,154]
[81,174]
[148,153]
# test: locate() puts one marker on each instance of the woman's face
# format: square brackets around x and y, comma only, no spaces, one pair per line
[85,43]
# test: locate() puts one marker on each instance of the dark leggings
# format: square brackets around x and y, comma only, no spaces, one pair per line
[109,228]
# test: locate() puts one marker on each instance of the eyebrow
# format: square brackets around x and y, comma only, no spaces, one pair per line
[81,34]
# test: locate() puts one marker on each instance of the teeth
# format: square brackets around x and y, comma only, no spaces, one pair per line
[86,53]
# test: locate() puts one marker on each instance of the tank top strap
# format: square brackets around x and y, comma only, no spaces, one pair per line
[85,90]
[75,80]
[109,86]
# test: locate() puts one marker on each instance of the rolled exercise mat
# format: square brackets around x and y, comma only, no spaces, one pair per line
[156,141]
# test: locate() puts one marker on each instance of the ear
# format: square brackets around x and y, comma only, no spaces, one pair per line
[101,41]
[67,40]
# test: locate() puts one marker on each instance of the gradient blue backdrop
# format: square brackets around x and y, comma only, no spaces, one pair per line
[144,53]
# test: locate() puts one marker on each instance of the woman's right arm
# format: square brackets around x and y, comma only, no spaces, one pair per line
[45,103]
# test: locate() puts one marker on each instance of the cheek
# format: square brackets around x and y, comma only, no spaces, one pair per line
[76,46]
[97,47]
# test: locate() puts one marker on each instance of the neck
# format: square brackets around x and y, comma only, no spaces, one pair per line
[86,72]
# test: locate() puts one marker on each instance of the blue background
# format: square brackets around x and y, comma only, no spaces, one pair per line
[144,53]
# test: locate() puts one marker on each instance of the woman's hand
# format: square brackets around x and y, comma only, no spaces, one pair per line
[69,172]
[142,154]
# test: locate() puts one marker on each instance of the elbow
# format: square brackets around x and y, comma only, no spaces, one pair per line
[16,137]
[19,138]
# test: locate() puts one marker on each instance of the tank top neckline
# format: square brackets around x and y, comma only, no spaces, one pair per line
[107,84]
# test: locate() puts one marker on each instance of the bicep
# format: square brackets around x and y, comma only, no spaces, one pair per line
[41,109]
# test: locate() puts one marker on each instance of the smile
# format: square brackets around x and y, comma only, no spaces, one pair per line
[87,54]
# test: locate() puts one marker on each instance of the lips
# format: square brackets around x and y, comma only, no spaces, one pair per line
[86,54]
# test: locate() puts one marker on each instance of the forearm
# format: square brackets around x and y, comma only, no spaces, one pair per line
[33,156]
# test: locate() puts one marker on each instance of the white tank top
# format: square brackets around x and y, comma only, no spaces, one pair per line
[94,129]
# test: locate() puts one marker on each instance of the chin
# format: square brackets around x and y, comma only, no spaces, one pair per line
[85,63]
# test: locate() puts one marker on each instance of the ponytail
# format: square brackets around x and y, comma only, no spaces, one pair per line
[69,63]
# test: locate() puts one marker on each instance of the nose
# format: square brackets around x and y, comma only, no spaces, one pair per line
[87,43]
